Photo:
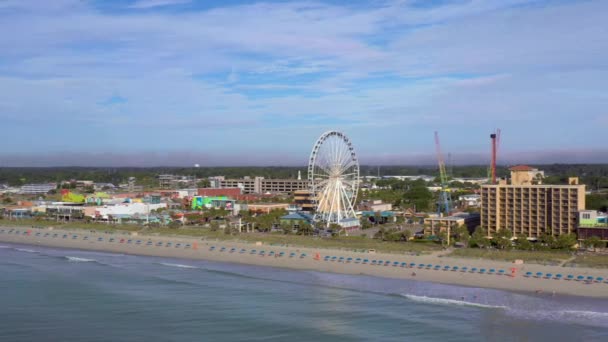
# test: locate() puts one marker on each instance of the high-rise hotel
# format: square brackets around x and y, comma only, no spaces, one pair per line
[526,206]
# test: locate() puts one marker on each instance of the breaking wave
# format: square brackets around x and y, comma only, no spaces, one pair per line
[77,259]
[26,250]
[178,265]
[446,301]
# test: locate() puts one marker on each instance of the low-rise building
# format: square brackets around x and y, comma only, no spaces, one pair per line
[265,208]
[37,189]
[592,223]
[375,205]
[435,225]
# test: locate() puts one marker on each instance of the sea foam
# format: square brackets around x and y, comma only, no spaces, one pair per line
[26,250]
[446,301]
[77,259]
[178,265]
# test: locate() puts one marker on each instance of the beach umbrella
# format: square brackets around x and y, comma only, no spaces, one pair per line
[549,275]
[455,268]
[558,276]
[373,262]
[528,274]
[365,261]
[474,269]
[539,274]
[492,270]
[445,268]
[403,264]
[589,278]
[412,264]
[464,269]
[570,277]
[420,265]
[599,279]
[262,252]
[437,267]
[358,260]
[429,266]
[349,259]
[387,262]
[380,262]
[580,278]
[482,270]
[333,258]
[501,272]
[396,263]
[292,254]
[303,255]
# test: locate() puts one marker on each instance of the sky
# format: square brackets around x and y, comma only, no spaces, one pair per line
[178,82]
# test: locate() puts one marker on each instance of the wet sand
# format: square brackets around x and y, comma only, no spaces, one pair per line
[314,259]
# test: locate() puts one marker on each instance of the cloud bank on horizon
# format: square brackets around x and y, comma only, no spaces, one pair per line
[175,82]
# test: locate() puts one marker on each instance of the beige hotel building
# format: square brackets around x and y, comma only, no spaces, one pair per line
[526,206]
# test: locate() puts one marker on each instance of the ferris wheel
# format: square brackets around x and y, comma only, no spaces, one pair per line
[333,173]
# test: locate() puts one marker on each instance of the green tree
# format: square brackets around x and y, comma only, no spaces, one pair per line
[478,239]
[286,227]
[547,241]
[462,234]
[203,183]
[305,229]
[594,242]
[214,226]
[566,241]
[523,243]
[364,222]
[502,239]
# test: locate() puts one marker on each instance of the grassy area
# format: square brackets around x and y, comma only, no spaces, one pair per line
[348,243]
[536,257]
[595,261]
[69,225]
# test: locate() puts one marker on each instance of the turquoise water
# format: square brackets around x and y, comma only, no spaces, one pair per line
[68,295]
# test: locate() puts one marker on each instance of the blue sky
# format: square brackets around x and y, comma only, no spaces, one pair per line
[177,82]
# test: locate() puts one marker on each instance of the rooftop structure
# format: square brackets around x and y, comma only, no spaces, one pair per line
[526,175]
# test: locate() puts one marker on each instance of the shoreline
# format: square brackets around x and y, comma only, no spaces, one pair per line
[303,258]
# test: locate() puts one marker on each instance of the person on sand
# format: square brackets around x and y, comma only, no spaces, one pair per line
[413,274]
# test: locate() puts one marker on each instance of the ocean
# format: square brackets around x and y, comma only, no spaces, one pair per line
[50,294]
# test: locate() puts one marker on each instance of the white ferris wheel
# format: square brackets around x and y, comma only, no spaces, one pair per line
[333,173]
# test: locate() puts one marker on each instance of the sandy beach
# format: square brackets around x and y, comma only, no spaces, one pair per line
[315,259]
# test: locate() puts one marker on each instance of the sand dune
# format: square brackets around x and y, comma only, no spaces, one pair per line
[306,259]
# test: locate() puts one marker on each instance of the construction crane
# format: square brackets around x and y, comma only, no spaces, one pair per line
[495,137]
[444,203]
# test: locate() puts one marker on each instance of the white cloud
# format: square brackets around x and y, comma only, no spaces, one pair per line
[395,68]
[145,4]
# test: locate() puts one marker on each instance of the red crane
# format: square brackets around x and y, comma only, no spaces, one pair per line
[495,144]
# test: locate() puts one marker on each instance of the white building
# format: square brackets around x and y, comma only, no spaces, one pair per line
[36,189]
[127,209]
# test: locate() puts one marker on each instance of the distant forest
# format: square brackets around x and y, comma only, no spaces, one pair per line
[595,176]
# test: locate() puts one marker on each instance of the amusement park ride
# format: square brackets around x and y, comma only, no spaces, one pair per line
[333,173]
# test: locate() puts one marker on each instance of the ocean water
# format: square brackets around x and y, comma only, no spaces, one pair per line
[49,294]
